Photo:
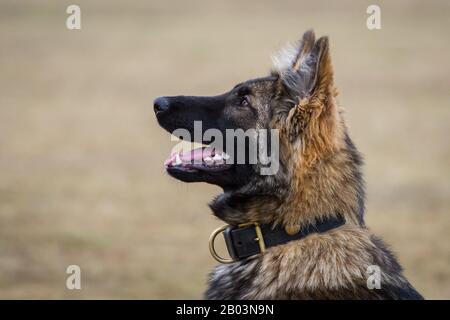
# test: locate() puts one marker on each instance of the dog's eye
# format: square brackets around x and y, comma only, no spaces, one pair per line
[244,102]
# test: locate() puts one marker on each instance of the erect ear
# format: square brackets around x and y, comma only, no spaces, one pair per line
[305,69]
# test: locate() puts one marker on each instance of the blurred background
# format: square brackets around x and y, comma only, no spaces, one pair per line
[81,155]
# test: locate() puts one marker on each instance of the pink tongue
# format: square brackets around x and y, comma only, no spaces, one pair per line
[192,155]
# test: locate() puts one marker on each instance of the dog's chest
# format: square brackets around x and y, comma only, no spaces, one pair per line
[232,281]
[298,270]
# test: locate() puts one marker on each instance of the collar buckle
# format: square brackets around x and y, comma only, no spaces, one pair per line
[259,235]
[226,230]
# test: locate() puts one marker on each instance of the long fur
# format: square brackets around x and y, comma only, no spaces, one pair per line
[320,177]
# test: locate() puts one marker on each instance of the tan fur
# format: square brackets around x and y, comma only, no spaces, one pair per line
[312,142]
[321,170]
[335,260]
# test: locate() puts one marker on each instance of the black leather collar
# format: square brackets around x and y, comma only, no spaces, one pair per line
[245,240]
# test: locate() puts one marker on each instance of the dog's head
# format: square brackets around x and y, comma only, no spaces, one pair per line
[296,103]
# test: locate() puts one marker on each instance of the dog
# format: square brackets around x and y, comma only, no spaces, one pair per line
[298,233]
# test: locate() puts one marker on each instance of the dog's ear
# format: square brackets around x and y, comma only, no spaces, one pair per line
[306,90]
[305,69]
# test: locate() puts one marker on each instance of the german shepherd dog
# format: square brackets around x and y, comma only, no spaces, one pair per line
[298,233]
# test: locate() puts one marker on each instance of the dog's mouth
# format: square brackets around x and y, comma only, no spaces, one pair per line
[202,159]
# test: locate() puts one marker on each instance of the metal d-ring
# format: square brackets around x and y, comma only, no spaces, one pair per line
[212,239]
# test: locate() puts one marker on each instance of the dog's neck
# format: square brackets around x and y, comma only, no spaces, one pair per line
[334,186]
[312,197]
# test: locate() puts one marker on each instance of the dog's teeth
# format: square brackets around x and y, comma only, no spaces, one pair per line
[178,159]
[208,160]
[218,159]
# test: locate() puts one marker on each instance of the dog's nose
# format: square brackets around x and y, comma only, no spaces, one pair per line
[161,104]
